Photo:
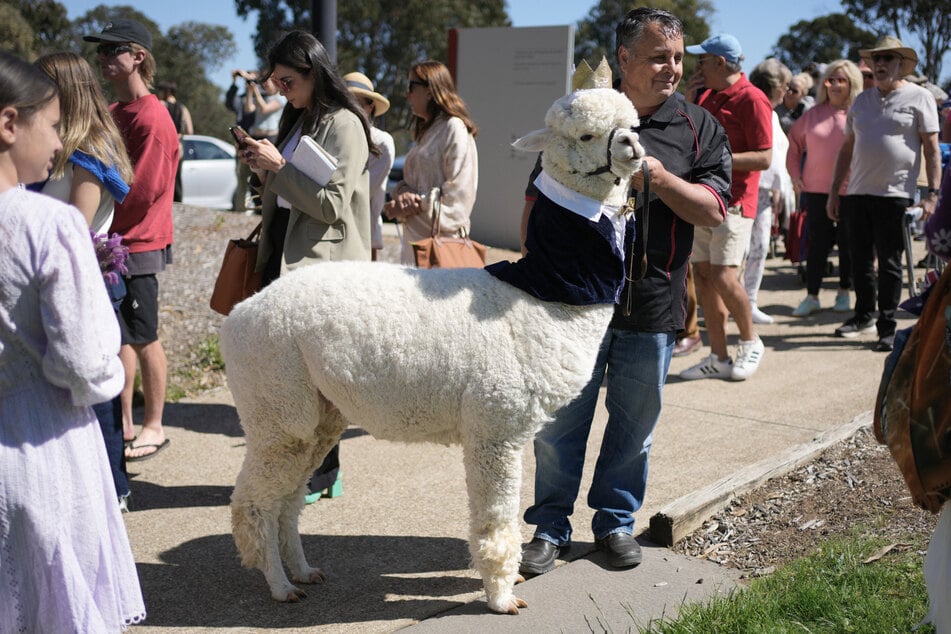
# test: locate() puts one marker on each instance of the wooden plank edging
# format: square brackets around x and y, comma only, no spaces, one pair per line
[684,515]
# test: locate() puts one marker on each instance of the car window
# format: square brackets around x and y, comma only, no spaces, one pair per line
[203,151]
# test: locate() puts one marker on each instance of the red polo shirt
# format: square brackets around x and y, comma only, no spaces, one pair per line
[747,116]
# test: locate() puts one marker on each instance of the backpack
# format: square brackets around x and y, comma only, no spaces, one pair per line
[913,407]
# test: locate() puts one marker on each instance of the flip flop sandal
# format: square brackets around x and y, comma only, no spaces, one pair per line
[158,448]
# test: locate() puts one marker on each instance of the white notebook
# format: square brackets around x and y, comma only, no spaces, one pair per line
[314,161]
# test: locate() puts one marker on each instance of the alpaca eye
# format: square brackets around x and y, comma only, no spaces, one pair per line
[586,137]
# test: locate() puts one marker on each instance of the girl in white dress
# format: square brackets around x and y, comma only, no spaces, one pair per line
[65,560]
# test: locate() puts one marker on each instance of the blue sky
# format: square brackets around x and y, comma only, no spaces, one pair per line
[757,24]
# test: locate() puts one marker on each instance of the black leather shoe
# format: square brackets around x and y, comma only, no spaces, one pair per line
[539,555]
[622,550]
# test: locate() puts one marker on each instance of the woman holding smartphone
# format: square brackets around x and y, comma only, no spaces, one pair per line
[304,222]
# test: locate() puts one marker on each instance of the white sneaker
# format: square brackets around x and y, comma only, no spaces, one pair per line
[759,317]
[710,368]
[748,356]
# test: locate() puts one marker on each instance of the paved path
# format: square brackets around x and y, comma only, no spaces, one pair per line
[393,545]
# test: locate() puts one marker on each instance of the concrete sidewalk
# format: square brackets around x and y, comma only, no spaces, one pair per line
[393,546]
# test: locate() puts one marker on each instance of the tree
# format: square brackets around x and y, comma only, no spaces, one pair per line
[380,38]
[183,55]
[596,32]
[824,39]
[928,20]
[52,30]
[16,33]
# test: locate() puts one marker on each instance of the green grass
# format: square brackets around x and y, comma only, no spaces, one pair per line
[829,591]
[206,363]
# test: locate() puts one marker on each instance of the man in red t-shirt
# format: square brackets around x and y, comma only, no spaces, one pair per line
[144,219]
[745,113]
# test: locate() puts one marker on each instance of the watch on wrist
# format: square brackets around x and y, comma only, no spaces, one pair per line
[932,190]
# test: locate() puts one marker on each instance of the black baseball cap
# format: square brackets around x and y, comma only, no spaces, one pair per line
[122,30]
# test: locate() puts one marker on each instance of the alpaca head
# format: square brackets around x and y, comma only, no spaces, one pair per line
[589,144]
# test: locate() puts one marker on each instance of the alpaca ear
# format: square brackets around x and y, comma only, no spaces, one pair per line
[534,141]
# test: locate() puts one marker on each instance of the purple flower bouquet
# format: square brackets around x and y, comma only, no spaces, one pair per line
[111,254]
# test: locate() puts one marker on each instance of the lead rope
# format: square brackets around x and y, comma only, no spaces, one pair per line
[629,302]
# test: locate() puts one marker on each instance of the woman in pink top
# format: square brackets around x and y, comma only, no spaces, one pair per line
[814,142]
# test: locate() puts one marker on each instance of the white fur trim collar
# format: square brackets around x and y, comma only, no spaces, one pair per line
[582,205]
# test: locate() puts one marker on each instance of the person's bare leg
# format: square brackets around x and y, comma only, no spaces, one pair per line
[732,294]
[714,310]
[128,357]
[154,378]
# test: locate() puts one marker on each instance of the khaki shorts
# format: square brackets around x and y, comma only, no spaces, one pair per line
[726,244]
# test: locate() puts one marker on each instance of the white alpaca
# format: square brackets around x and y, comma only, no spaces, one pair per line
[418,355]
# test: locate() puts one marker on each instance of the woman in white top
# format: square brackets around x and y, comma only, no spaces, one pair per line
[775,189]
[267,105]
[91,173]
[93,170]
[444,157]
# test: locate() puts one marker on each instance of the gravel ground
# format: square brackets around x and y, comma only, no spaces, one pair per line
[185,320]
[853,488]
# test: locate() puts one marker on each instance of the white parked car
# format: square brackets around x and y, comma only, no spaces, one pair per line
[208,172]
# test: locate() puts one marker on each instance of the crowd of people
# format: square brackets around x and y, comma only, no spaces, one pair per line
[853,144]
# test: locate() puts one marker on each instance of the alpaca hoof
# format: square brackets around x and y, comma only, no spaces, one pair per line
[519,579]
[311,575]
[508,607]
[290,594]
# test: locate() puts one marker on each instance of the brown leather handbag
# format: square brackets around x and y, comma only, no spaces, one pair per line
[440,252]
[237,279]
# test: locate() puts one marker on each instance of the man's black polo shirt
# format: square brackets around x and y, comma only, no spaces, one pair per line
[691,144]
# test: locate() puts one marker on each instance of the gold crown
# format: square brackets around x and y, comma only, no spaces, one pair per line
[585,78]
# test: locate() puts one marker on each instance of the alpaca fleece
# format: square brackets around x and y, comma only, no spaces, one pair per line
[447,356]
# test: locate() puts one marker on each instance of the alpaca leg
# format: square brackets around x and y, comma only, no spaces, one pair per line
[270,486]
[292,550]
[254,524]
[332,425]
[493,479]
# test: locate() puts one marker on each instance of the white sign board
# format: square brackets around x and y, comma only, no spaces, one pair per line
[508,78]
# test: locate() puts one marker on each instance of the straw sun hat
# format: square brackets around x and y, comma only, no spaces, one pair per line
[360,85]
[889,44]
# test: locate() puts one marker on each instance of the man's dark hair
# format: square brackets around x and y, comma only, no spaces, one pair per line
[632,26]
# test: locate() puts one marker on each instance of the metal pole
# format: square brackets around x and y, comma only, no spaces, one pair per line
[324,14]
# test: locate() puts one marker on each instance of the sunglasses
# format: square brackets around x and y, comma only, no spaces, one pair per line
[888,58]
[111,50]
[283,84]
[868,75]
[416,82]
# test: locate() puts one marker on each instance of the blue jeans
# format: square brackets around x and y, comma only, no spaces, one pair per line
[636,364]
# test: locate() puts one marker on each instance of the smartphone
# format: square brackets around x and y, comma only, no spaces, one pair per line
[239,134]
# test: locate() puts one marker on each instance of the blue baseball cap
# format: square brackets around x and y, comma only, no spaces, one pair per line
[721,44]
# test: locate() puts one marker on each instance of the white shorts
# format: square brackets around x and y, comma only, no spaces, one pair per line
[725,244]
